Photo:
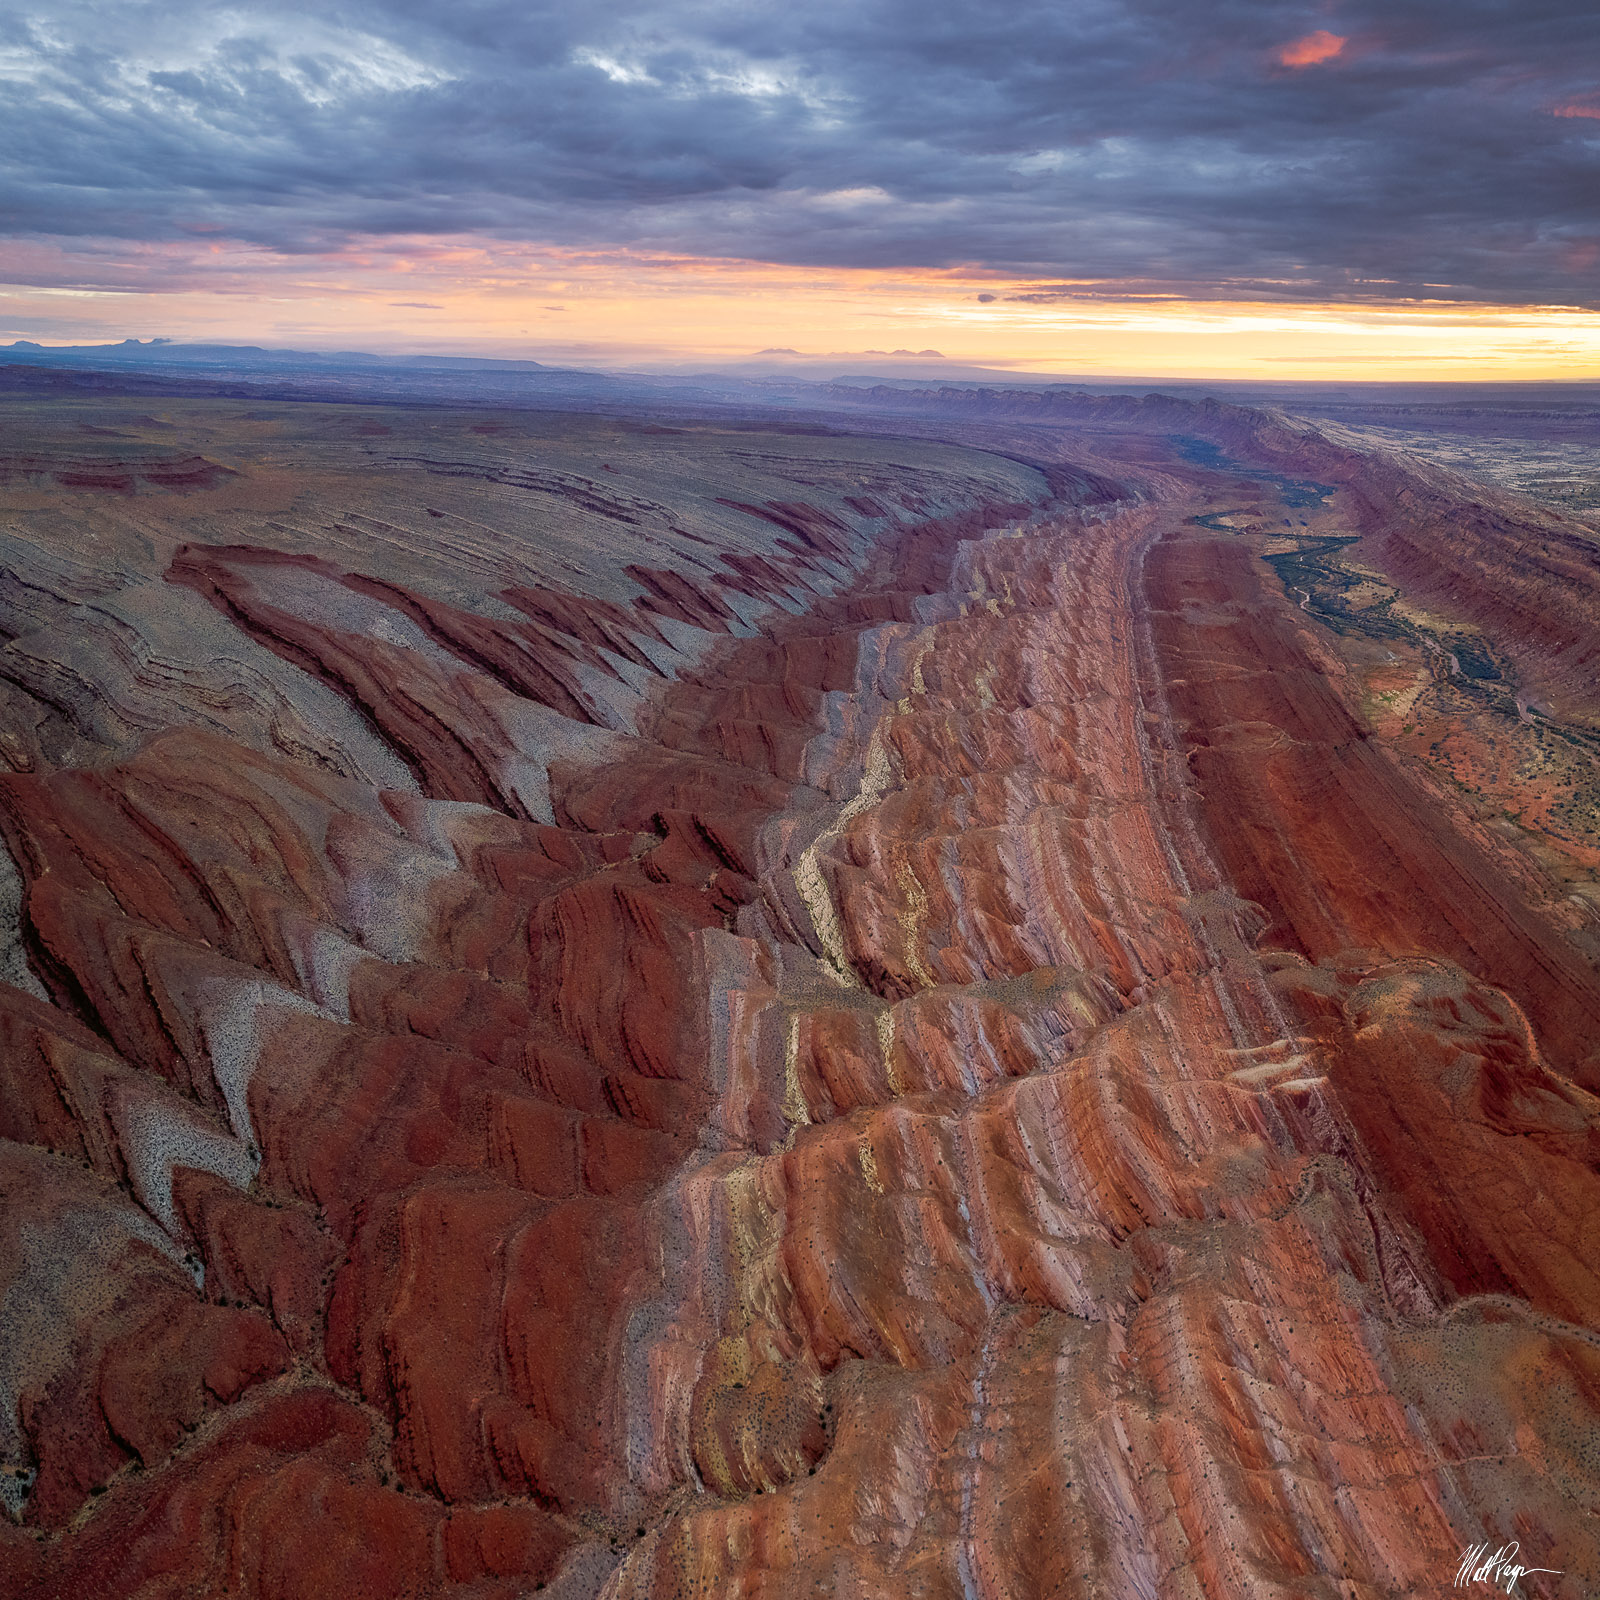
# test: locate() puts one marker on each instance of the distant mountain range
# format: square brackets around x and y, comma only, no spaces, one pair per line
[172,353]
[771,379]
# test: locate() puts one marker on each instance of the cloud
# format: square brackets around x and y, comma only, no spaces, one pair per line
[784,350]
[1312,49]
[1150,143]
[416,305]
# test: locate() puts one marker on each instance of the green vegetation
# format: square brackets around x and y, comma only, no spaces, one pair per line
[1297,494]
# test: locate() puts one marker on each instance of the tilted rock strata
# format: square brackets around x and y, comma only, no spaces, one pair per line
[1186,1233]
[1526,574]
[926,1101]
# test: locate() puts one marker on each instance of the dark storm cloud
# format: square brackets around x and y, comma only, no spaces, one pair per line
[1418,151]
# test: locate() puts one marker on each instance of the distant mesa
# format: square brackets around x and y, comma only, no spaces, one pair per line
[113,474]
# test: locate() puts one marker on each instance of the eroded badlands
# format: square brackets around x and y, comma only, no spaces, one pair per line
[653,1013]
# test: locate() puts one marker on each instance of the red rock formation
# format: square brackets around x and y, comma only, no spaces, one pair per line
[111,474]
[1315,823]
[991,1083]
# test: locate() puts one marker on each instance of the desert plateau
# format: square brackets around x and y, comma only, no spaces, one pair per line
[946,992]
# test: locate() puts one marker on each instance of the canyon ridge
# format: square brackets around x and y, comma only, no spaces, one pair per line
[955,993]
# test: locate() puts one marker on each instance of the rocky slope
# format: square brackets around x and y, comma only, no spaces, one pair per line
[835,1016]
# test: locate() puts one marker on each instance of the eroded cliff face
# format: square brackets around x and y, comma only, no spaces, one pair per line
[930,1049]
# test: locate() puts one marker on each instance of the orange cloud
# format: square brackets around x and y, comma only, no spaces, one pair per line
[1579,111]
[1315,47]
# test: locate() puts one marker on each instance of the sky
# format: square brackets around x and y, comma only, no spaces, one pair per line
[1344,188]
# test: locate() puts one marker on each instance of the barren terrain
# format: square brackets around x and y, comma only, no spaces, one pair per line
[970,994]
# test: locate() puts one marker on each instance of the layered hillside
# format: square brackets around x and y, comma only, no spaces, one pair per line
[615,1008]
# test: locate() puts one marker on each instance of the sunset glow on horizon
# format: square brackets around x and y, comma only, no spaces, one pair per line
[624,308]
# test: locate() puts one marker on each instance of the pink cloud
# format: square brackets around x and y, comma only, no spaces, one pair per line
[1314,47]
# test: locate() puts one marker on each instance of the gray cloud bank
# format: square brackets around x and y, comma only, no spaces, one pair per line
[1442,153]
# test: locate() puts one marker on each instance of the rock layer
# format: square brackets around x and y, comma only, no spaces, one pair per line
[940,1056]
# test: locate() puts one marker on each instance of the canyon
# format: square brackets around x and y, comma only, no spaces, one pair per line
[968,994]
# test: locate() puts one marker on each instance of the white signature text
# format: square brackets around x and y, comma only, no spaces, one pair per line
[1502,1568]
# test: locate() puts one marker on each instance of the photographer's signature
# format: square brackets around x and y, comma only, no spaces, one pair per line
[1501,1568]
